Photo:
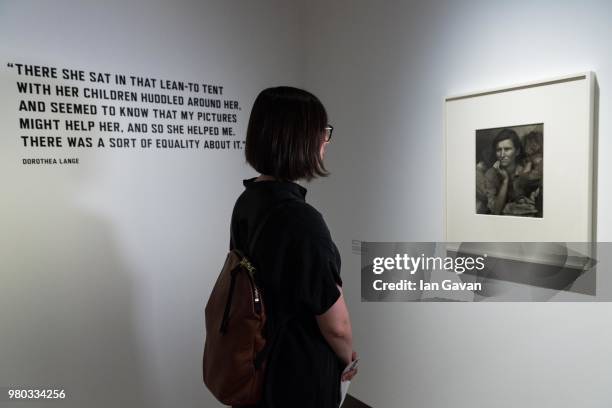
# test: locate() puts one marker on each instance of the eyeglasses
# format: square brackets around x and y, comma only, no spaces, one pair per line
[329,129]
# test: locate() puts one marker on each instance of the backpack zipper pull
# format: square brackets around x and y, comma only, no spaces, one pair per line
[257,299]
[251,270]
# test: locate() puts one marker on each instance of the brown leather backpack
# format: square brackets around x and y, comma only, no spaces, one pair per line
[235,350]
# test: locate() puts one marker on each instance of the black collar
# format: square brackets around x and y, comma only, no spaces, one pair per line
[288,186]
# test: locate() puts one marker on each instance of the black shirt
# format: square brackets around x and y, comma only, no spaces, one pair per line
[298,268]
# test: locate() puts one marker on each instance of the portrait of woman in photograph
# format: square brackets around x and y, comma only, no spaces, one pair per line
[509,171]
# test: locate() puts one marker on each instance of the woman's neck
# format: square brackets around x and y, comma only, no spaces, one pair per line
[264,177]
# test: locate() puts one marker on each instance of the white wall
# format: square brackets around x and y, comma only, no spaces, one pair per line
[106,266]
[383,70]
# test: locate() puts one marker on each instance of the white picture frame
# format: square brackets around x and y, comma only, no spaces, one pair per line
[565,106]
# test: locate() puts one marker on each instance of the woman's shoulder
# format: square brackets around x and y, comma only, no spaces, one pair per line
[306,219]
[492,176]
[309,231]
[304,223]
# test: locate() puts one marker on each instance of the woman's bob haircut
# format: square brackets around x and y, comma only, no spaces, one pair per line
[285,133]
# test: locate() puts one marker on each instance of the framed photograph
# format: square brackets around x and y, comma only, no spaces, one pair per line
[519,163]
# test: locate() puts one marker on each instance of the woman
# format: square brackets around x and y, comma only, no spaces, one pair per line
[505,182]
[298,264]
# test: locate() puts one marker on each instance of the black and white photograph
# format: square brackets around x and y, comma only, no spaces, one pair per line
[509,170]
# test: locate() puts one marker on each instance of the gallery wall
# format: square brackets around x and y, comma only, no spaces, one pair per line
[383,69]
[105,265]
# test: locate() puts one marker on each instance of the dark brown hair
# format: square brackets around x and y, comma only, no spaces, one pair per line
[284,134]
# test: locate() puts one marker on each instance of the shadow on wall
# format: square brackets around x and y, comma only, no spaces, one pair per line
[67,306]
